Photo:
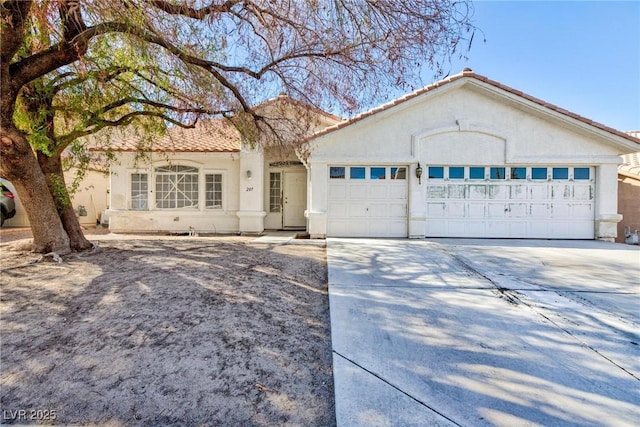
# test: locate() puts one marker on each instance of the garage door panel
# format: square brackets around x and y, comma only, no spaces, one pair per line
[378,192]
[456,209]
[539,191]
[436,210]
[560,210]
[338,209]
[398,191]
[561,192]
[539,210]
[436,191]
[582,211]
[518,210]
[457,191]
[338,192]
[397,210]
[476,210]
[378,209]
[518,229]
[358,210]
[582,192]
[496,210]
[498,191]
[518,192]
[357,192]
[477,192]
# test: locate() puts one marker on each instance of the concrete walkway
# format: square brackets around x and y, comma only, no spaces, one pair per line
[485,332]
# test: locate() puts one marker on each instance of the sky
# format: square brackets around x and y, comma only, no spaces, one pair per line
[583,56]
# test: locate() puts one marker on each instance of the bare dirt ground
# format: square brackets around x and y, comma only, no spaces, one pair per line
[167,331]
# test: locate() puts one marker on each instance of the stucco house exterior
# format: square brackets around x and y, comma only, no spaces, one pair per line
[495,163]
[208,180]
[463,157]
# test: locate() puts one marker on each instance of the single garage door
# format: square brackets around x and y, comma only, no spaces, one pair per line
[517,202]
[367,201]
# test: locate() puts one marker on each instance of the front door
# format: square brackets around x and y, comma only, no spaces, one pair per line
[295,199]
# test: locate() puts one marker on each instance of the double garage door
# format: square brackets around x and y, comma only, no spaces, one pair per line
[464,201]
[510,202]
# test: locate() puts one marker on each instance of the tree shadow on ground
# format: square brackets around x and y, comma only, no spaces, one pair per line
[171,332]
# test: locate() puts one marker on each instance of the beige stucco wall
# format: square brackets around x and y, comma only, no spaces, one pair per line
[628,204]
[466,123]
[225,220]
[92,194]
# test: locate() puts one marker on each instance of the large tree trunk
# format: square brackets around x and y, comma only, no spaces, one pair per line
[52,169]
[19,165]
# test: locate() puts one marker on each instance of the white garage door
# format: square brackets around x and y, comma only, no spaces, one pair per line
[518,202]
[367,201]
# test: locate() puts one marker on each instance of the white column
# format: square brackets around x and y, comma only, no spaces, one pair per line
[251,211]
[606,203]
[317,196]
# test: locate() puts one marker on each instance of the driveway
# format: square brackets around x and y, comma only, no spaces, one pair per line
[485,332]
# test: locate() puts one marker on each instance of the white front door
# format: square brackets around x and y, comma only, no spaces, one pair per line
[295,199]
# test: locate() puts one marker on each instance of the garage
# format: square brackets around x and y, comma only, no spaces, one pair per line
[367,201]
[503,202]
[481,160]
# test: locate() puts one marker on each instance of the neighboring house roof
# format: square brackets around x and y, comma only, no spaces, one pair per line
[630,165]
[631,162]
[467,73]
[210,136]
[286,99]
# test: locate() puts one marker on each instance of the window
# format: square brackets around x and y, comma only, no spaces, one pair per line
[336,172]
[581,174]
[560,173]
[476,173]
[518,173]
[538,173]
[378,173]
[139,191]
[357,172]
[436,172]
[275,193]
[213,191]
[398,173]
[497,173]
[176,187]
[456,172]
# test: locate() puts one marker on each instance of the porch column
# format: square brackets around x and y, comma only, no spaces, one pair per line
[251,210]
[606,209]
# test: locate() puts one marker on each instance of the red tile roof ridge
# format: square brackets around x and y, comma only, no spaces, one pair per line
[469,73]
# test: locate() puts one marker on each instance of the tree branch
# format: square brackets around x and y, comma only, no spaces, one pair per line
[189,12]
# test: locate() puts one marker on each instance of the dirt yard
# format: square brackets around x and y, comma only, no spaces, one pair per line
[167,331]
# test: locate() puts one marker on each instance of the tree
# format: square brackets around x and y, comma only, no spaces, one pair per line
[72,68]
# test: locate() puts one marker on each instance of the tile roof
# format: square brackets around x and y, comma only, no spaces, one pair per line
[468,73]
[631,162]
[210,136]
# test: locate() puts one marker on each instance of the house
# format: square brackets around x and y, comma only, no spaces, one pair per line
[463,157]
[629,194]
[207,179]
[466,157]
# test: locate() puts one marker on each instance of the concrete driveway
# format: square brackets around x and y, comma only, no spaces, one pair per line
[485,332]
